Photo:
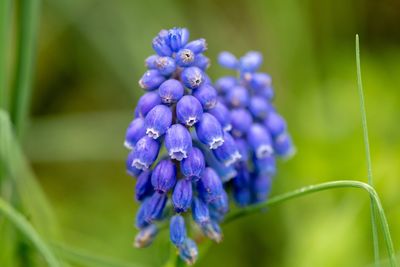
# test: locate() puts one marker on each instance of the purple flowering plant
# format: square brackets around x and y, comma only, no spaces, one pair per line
[195,144]
[191,141]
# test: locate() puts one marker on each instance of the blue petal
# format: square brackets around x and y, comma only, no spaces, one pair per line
[157,121]
[171,91]
[182,195]
[189,110]
[163,177]
[178,142]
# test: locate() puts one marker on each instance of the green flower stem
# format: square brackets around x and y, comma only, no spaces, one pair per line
[322,187]
[29,232]
[5,10]
[27,36]
[367,151]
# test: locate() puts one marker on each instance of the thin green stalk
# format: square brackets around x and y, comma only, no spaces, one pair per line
[367,152]
[5,10]
[29,232]
[322,187]
[27,37]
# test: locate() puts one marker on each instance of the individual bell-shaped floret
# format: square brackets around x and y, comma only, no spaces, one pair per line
[275,124]
[212,230]
[201,61]
[209,131]
[238,97]
[260,140]
[146,103]
[192,77]
[151,80]
[177,230]
[178,142]
[228,60]
[145,153]
[283,145]
[189,110]
[171,91]
[155,207]
[197,46]
[177,38]
[200,211]
[185,58]
[165,65]
[210,185]
[150,62]
[130,169]
[182,195]
[157,121]
[207,96]
[241,121]
[260,81]
[135,131]
[188,251]
[163,177]
[225,84]
[193,166]
[160,44]
[143,188]
[140,220]
[259,107]
[251,61]
[146,236]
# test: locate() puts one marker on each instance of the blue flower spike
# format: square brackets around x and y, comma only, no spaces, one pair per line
[191,139]
[259,132]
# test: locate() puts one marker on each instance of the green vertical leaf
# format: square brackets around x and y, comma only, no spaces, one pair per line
[27,37]
[20,222]
[33,201]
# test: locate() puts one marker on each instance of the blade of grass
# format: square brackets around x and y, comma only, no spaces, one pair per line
[27,36]
[375,236]
[322,187]
[5,11]
[32,198]
[29,232]
[77,256]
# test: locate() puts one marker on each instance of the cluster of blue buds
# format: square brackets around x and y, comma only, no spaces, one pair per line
[258,131]
[181,150]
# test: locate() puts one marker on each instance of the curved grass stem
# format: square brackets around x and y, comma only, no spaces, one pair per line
[29,232]
[322,187]
[367,151]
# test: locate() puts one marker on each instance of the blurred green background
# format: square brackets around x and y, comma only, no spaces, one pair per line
[90,57]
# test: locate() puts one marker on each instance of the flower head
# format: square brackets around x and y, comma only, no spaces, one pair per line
[171,138]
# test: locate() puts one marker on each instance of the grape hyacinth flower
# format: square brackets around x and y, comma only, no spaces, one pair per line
[258,130]
[180,151]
